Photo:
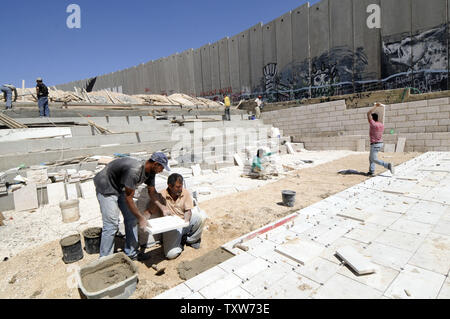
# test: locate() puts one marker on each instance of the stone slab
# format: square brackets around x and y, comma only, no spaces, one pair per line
[442,227]
[56,193]
[361,145]
[433,254]
[251,269]
[221,287]
[205,278]
[178,292]
[72,191]
[88,190]
[400,145]
[360,264]
[165,224]
[332,235]
[401,240]
[355,214]
[389,148]
[445,290]
[236,293]
[289,148]
[342,287]
[25,198]
[257,284]
[319,270]
[387,255]
[415,283]
[301,251]
[196,170]
[238,160]
[411,227]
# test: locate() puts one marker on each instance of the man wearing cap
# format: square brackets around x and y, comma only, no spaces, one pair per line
[115,186]
[227,103]
[8,90]
[42,95]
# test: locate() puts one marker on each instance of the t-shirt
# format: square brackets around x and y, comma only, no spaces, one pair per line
[43,90]
[183,203]
[120,173]
[258,102]
[227,101]
[257,162]
[376,131]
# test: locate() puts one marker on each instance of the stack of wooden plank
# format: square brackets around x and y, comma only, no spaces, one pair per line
[9,122]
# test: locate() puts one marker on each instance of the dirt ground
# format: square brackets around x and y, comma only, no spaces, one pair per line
[41,273]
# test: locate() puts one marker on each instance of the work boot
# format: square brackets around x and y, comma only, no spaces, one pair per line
[196,245]
[369,174]
[391,168]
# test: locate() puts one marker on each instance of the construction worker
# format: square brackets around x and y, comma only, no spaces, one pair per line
[227,102]
[7,90]
[115,186]
[42,94]
[179,202]
[376,141]
[257,165]
[258,107]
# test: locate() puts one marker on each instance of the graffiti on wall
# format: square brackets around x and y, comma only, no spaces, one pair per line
[419,60]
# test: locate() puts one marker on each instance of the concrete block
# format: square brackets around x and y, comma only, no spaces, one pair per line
[72,191]
[56,193]
[300,250]
[196,170]
[415,283]
[342,287]
[238,160]
[25,198]
[360,145]
[88,190]
[360,264]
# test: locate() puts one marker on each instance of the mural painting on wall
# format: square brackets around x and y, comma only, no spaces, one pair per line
[419,61]
[331,73]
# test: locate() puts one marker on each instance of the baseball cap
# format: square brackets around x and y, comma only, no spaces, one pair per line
[161,158]
[39,80]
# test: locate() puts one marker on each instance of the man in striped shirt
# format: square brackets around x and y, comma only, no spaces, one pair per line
[376,141]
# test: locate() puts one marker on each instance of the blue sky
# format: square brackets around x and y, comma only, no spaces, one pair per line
[116,34]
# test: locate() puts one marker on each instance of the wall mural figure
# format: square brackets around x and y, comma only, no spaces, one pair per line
[420,61]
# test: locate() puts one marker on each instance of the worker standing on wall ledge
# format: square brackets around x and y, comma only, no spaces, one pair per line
[42,94]
[227,102]
[115,186]
[7,90]
[376,141]
[258,107]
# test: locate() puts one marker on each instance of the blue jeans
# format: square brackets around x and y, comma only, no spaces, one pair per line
[109,207]
[43,107]
[227,114]
[8,92]
[373,158]
[172,239]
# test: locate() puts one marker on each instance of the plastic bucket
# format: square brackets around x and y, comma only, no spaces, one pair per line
[92,237]
[70,210]
[289,198]
[71,248]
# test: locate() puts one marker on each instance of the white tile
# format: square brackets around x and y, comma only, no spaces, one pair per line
[433,254]
[355,260]
[300,227]
[415,283]
[332,235]
[319,270]
[356,214]
[442,227]
[365,233]
[25,198]
[56,193]
[292,286]
[426,212]
[236,293]
[258,284]
[379,280]
[342,287]
[205,278]
[316,231]
[445,290]
[411,227]
[400,240]
[165,224]
[220,287]
[383,218]
[196,295]
[251,269]
[299,250]
[330,251]
[236,262]
[178,292]
[88,190]
[387,255]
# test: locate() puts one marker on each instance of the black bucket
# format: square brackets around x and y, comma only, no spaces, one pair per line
[92,237]
[71,248]
[289,198]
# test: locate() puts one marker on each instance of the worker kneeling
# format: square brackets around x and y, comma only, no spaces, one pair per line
[178,202]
